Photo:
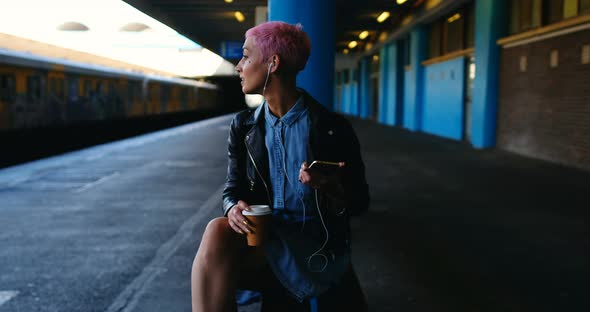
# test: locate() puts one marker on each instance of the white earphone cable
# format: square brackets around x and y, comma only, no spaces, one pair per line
[317,253]
[266,80]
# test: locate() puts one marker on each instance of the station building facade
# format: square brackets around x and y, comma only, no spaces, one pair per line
[506,74]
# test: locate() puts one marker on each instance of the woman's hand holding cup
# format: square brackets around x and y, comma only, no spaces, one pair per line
[259,222]
[237,221]
[253,221]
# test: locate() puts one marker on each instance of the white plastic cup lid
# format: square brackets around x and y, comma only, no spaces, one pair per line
[257,210]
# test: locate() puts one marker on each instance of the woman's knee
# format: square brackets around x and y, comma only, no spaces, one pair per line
[218,229]
[217,243]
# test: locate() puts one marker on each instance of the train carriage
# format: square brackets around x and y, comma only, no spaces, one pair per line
[38,91]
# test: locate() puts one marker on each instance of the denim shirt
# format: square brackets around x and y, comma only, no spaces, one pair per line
[294,250]
[286,141]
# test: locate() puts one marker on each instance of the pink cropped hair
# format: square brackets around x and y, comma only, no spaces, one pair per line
[288,41]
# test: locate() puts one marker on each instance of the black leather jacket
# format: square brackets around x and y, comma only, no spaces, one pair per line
[331,138]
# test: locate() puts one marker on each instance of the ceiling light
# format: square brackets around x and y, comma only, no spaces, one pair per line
[432,3]
[363,34]
[368,46]
[134,27]
[73,26]
[383,16]
[406,20]
[352,44]
[375,58]
[398,1]
[345,51]
[229,1]
[239,16]
[454,18]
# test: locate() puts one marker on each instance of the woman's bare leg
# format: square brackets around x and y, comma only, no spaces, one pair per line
[215,269]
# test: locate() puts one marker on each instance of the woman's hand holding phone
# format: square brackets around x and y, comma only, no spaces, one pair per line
[328,167]
[319,174]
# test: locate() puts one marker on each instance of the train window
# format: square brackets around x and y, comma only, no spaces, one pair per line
[139,93]
[61,89]
[33,88]
[175,95]
[152,92]
[57,88]
[120,90]
[72,89]
[87,91]
[52,85]
[112,91]
[190,93]
[7,88]
[99,88]
[130,91]
[165,93]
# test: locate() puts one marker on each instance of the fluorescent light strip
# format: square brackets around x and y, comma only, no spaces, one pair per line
[239,16]
[383,16]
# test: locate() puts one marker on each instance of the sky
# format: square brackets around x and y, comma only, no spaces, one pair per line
[159,47]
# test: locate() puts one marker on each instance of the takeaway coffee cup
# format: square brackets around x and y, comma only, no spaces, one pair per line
[259,218]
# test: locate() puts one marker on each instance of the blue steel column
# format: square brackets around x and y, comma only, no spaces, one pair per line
[490,25]
[414,81]
[347,92]
[389,84]
[318,20]
[383,96]
[354,88]
[337,106]
[364,90]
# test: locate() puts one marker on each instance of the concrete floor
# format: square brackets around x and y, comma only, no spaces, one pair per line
[450,228]
[459,229]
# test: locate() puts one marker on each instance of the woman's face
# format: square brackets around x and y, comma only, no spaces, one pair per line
[251,68]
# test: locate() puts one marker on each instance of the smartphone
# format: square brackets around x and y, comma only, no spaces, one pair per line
[325,166]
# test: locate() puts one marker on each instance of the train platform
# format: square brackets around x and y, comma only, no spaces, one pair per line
[115,227]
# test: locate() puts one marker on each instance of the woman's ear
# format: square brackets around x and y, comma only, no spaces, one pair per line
[275,62]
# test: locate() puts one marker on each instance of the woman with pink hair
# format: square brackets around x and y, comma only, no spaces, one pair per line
[304,264]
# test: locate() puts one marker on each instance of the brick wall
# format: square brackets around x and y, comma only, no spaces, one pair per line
[544,112]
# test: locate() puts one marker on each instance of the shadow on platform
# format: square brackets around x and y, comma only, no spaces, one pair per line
[452,228]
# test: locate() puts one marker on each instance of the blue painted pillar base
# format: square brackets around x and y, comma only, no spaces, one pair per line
[349,93]
[414,81]
[490,25]
[318,20]
[389,84]
[364,88]
[383,94]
